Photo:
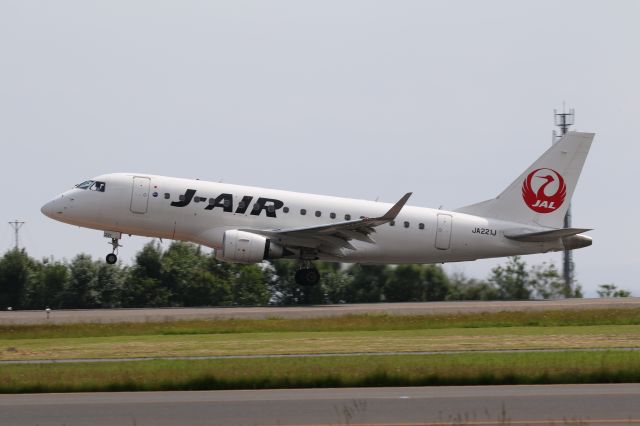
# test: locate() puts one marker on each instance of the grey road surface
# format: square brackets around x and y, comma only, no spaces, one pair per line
[480,405]
[425,308]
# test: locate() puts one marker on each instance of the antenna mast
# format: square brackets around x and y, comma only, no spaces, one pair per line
[563,121]
[16,225]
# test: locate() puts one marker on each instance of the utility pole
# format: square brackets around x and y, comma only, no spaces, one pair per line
[564,120]
[16,225]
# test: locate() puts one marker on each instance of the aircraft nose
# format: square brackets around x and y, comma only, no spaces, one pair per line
[53,207]
[48,209]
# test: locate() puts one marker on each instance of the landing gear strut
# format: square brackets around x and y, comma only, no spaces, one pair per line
[115,243]
[307,275]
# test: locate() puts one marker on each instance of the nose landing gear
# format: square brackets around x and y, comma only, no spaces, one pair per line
[111,258]
[115,243]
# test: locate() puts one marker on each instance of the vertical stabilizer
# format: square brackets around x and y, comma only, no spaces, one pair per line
[541,195]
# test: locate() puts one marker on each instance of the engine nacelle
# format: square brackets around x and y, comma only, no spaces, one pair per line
[246,247]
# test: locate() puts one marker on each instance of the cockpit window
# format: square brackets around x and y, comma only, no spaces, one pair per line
[92,185]
[97,186]
[85,185]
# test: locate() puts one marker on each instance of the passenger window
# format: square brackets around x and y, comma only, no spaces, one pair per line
[271,208]
[406,224]
[303,211]
[285,209]
[181,197]
[332,215]
[167,195]
[318,213]
[392,223]
[347,217]
[196,199]
[212,201]
[421,226]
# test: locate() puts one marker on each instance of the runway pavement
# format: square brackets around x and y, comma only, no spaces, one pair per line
[424,308]
[607,404]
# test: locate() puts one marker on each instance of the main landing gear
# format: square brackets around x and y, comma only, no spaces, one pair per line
[307,275]
[115,243]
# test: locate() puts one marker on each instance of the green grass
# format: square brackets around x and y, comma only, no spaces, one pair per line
[322,342]
[380,322]
[588,329]
[401,370]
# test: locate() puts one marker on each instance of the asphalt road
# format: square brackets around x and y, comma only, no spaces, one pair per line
[425,308]
[477,405]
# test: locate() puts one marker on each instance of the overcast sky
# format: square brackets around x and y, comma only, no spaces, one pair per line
[449,99]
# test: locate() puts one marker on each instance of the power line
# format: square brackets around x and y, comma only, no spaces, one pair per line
[16,225]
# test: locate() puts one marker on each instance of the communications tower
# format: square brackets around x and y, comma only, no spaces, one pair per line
[563,120]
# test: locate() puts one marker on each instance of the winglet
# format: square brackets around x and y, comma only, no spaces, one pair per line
[393,211]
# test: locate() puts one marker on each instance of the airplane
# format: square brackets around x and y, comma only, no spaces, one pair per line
[245,224]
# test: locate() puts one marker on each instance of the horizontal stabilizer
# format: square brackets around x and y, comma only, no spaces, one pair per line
[544,236]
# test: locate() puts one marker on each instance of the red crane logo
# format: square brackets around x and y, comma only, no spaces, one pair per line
[544,180]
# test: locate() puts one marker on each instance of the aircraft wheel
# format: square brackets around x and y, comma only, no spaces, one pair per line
[112,258]
[307,276]
[312,276]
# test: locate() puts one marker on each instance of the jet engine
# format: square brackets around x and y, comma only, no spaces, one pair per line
[246,247]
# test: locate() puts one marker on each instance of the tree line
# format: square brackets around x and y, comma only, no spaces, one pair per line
[184,275]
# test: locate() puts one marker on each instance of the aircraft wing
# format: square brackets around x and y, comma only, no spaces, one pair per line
[331,238]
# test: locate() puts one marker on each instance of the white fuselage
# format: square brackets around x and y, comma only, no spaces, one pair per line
[141,204]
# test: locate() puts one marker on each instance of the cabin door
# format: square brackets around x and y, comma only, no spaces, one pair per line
[140,195]
[443,232]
